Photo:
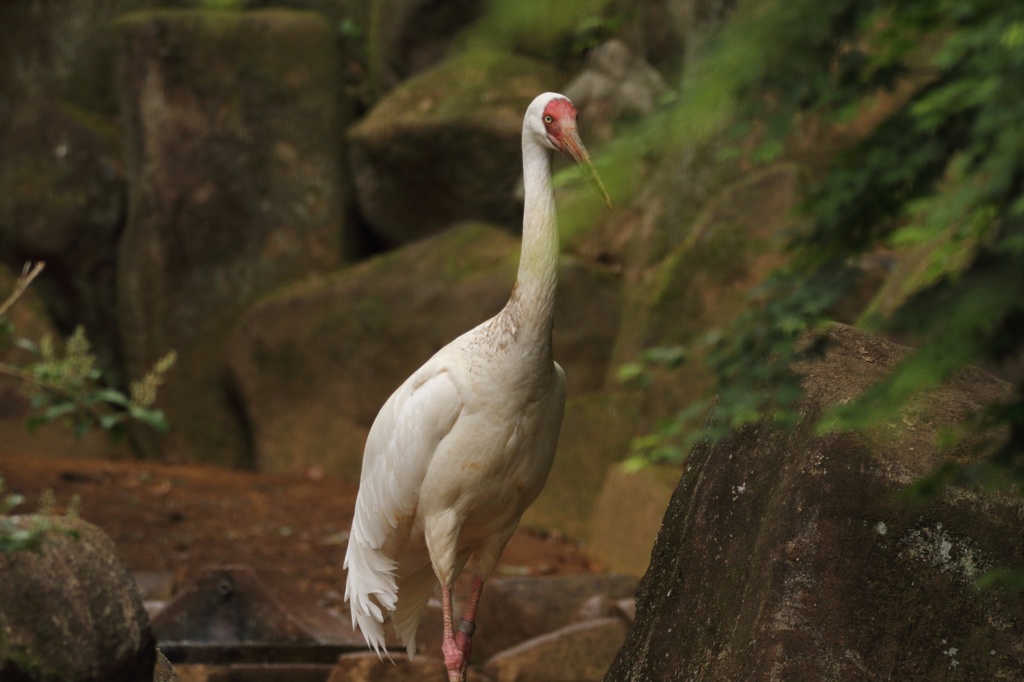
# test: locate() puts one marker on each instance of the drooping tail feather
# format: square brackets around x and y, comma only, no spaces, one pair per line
[370,589]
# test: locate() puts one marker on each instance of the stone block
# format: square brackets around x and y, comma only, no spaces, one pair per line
[628,514]
[798,556]
[595,436]
[69,609]
[234,605]
[446,146]
[580,652]
[513,610]
[231,127]
[314,362]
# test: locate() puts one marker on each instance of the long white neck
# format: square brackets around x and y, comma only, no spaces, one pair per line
[533,300]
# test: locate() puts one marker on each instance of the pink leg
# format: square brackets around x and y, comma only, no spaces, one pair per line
[464,636]
[454,659]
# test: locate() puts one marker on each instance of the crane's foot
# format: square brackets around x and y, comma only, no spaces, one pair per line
[455,660]
[456,646]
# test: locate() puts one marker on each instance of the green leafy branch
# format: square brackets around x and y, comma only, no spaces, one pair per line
[67,386]
[18,534]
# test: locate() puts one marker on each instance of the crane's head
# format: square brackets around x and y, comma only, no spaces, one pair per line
[554,117]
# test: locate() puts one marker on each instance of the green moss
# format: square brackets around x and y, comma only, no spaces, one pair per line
[371,313]
[477,248]
[234,56]
[464,86]
[29,181]
[17,661]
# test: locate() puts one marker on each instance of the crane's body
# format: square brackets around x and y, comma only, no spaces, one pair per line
[468,460]
[465,444]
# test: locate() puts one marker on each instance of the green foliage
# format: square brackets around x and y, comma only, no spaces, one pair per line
[15,536]
[938,169]
[67,386]
[639,373]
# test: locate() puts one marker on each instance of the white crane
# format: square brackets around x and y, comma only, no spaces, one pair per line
[464,446]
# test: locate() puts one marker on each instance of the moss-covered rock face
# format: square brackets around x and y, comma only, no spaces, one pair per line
[627,516]
[595,436]
[59,50]
[724,249]
[70,610]
[231,126]
[793,557]
[315,362]
[446,146]
[409,36]
[62,196]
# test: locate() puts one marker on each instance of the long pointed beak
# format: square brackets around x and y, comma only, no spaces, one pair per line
[574,149]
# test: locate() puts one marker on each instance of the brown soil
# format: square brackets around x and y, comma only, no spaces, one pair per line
[183,518]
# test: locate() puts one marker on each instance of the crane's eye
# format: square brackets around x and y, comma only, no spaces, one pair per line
[549,119]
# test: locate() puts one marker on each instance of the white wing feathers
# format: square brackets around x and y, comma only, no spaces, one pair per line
[399,448]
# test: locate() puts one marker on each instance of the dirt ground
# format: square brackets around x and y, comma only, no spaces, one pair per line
[182,518]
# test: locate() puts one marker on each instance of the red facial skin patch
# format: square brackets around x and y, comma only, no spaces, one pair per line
[557,114]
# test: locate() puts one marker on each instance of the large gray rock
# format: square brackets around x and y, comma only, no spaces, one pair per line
[726,245]
[513,610]
[650,30]
[369,667]
[240,605]
[69,610]
[627,516]
[595,436]
[697,22]
[409,36]
[615,87]
[235,190]
[792,556]
[60,51]
[726,242]
[62,196]
[315,362]
[446,146]
[164,671]
[580,652]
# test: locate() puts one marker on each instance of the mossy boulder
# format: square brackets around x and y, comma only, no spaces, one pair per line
[61,51]
[579,651]
[596,433]
[793,555]
[516,609]
[62,196]
[446,146]
[704,282]
[627,516]
[69,608]
[314,362]
[232,126]
[728,247]
[409,36]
